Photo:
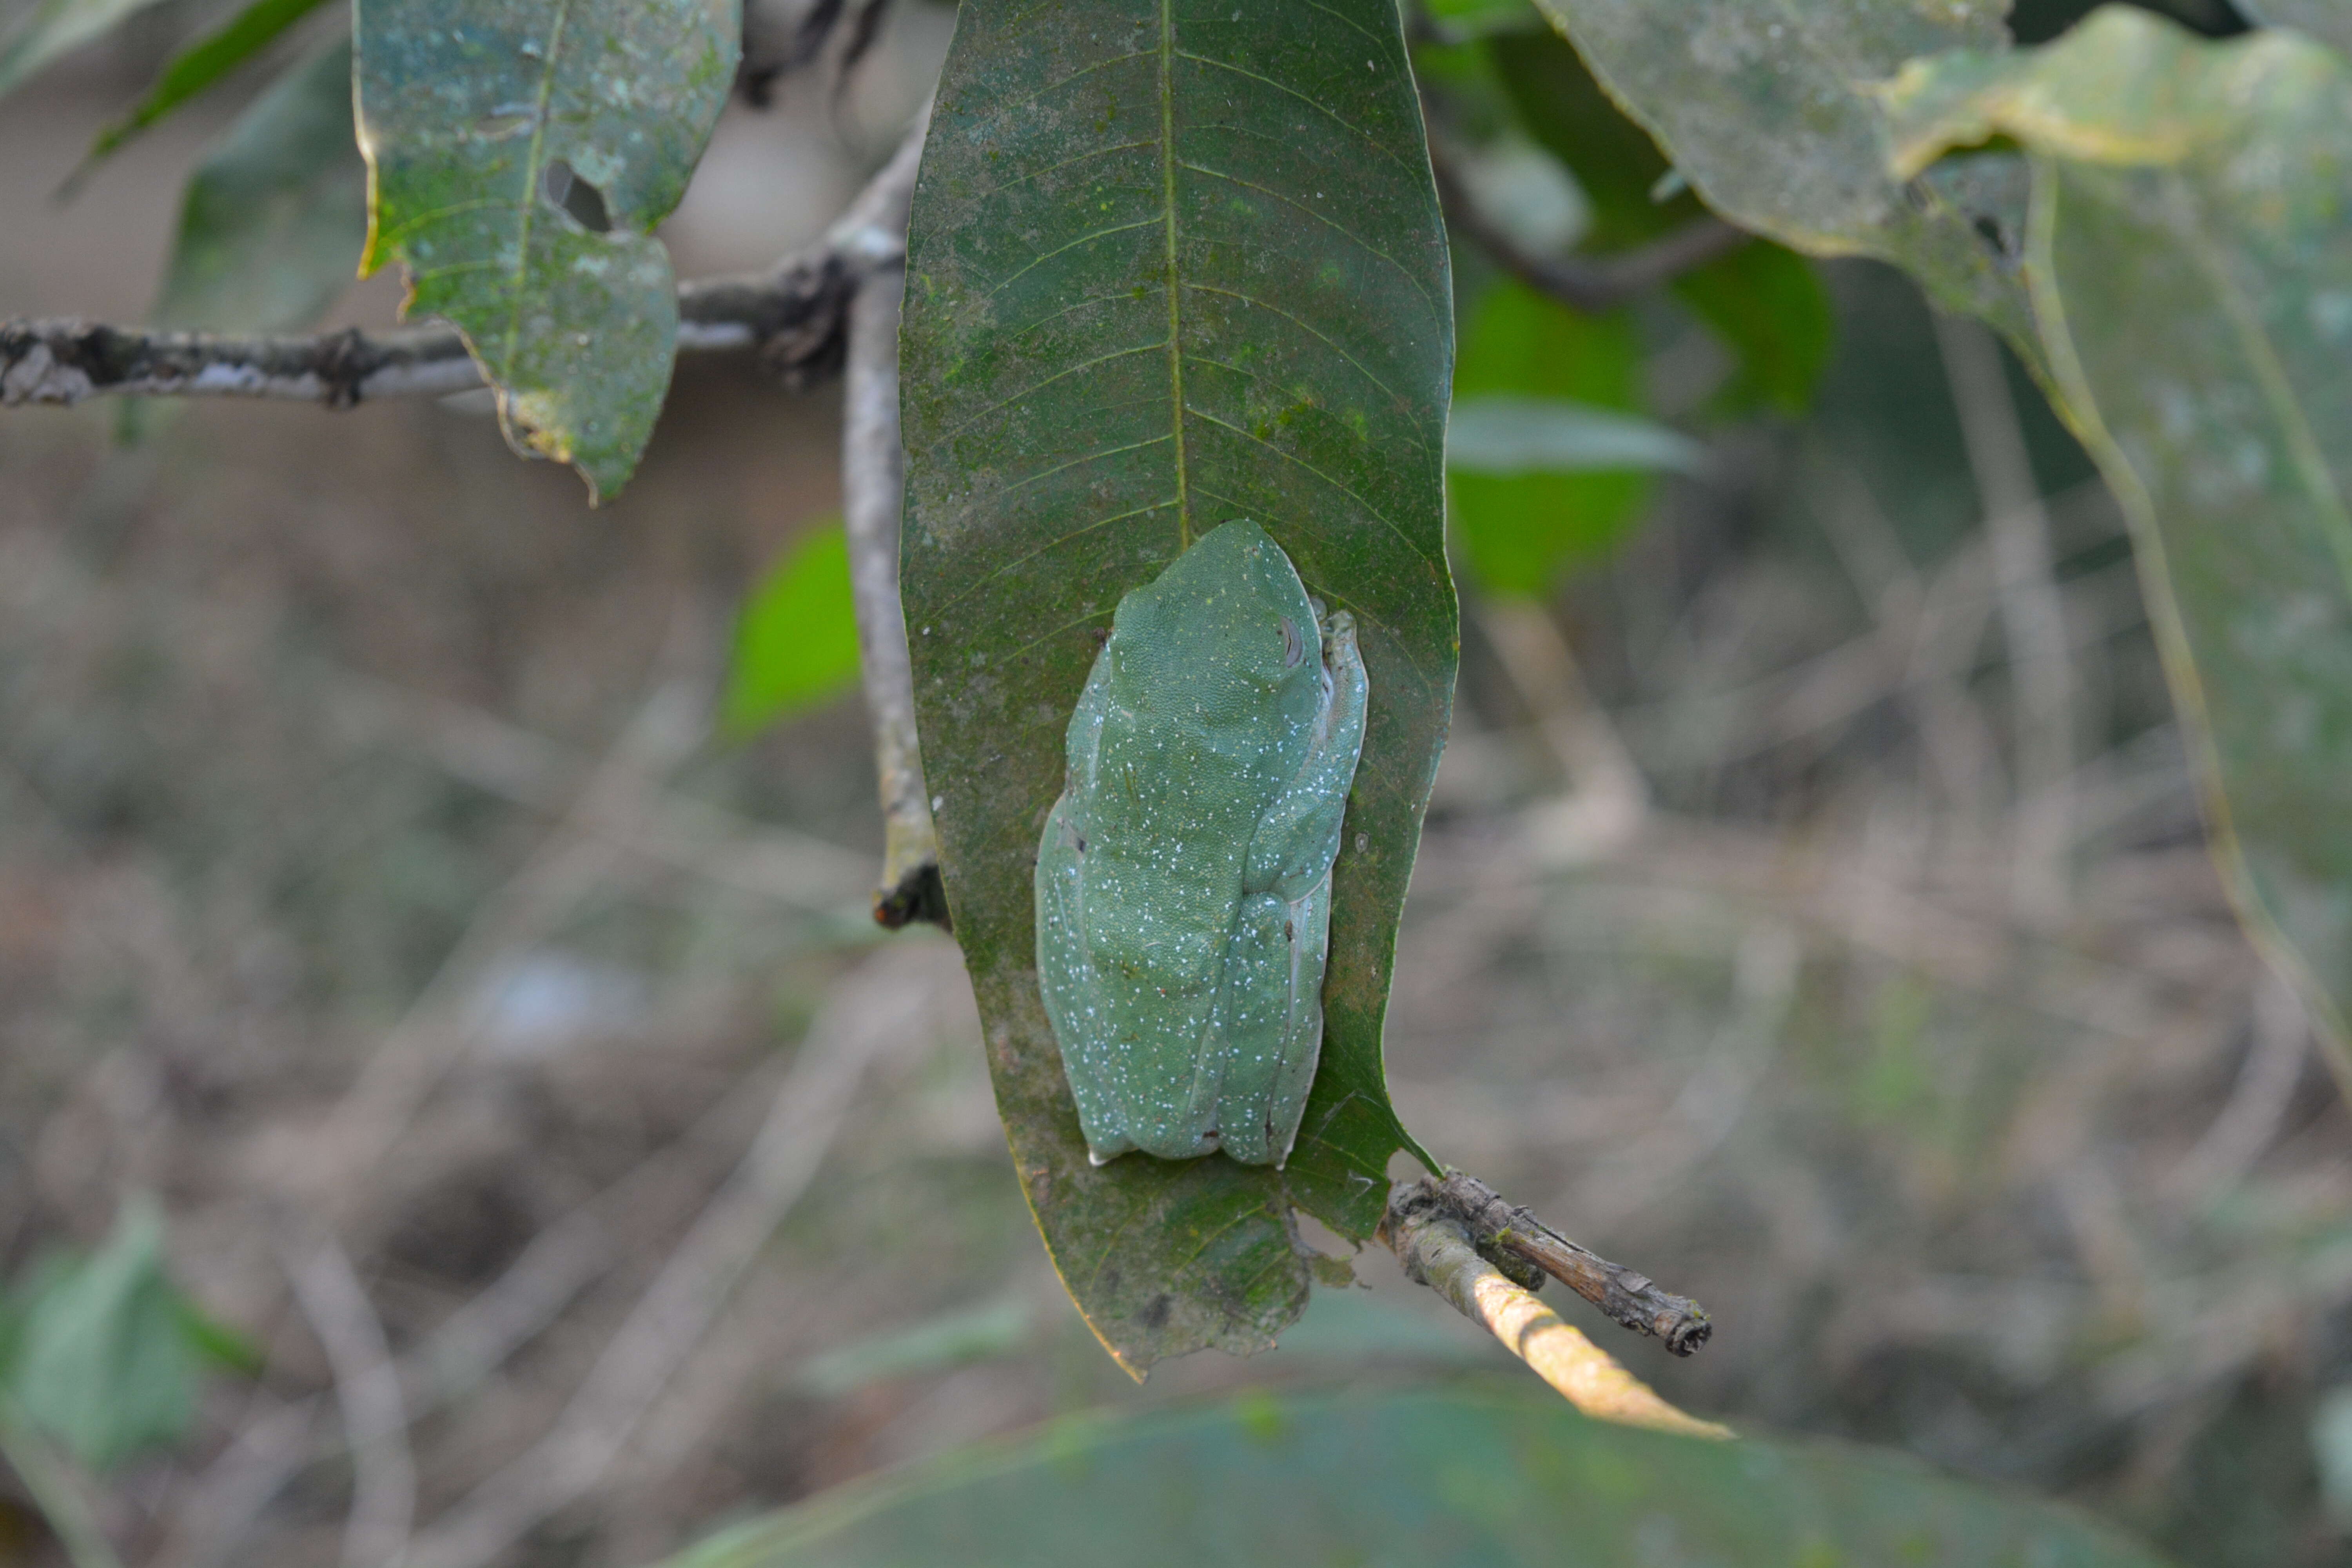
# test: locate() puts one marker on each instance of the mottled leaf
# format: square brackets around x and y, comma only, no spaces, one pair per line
[203,63]
[1518,532]
[272,222]
[103,1359]
[55,29]
[797,643]
[1765,303]
[1765,108]
[1174,262]
[1391,1479]
[521,152]
[2190,251]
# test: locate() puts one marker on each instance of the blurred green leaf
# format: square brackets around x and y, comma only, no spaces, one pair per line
[58,28]
[1520,532]
[203,63]
[1462,20]
[950,1340]
[1170,265]
[1554,435]
[797,643]
[2190,252]
[1765,303]
[103,1358]
[273,220]
[1412,1478]
[523,151]
[1765,108]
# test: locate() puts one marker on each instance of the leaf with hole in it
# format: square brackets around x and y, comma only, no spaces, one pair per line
[797,643]
[55,29]
[2190,251]
[1519,529]
[521,152]
[1172,262]
[272,221]
[105,1353]
[1390,1478]
[1765,108]
[203,63]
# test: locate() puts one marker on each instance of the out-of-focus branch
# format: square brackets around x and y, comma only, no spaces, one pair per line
[795,317]
[874,488]
[367,1390]
[1436,1250]
[872,484]
[1589,284]
[2032,617]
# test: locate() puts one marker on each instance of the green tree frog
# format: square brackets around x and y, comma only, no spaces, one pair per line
[1185,877]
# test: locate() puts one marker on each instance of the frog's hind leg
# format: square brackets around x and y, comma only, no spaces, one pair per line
[1256,1004]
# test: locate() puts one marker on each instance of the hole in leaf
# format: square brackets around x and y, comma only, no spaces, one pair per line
[564,189]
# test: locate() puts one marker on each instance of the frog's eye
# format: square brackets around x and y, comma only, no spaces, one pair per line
[1292,649]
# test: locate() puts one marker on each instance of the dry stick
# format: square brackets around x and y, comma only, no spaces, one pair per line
[367,1390]
[881,1008]
[1586,284]
[1435,1250]
[792,315]
[2032,615]
[872,484]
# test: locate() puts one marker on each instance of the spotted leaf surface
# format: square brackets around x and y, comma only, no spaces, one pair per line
[519,154]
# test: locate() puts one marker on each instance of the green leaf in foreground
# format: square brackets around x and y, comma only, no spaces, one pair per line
[1172,262]
[522,152]
[55,29]
[272,222]
[106,1353]
[1414,1477]
[1764,106]
[2190,251]
[203,63]
[796,644]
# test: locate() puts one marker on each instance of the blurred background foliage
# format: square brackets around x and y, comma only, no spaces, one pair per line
[382,837]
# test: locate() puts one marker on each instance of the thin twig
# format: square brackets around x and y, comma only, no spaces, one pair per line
[1586,283]
[367,1391]
[794,316]
[1631,1299]
[1436,1250]
[2032,615]
[880,1010]
[873,481]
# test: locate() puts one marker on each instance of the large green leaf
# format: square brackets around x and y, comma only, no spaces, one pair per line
[1765,107]
[203,63]
[58,28]
[2190,250]
[521,152]
[1412,1479]
[1172,262]
[273,220]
